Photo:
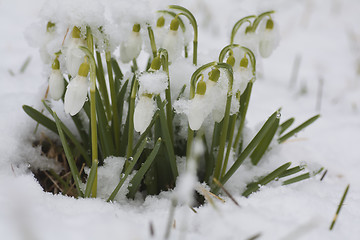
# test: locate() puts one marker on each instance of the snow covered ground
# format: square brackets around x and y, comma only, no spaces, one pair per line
[323,34]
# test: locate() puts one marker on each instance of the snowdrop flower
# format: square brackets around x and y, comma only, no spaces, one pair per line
[152,83]
[76,92]
[130,49]
[73,55]
[249,39]
[160,31]
[49,35]
[56,81]
[172,42]
[198,110]
[269,38]
[144,111]
[218,110]
[242,75]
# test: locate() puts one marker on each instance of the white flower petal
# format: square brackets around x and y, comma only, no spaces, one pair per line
[74,56]
[56,84]
[173,45]
[76,94]
[131,48]
[269,40]
[143,113]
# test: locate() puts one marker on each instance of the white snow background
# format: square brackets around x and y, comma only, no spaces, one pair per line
[325,34]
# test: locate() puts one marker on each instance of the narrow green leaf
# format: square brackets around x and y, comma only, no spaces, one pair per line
[118,74]
[102,85]
[182,90]
[135,182]
[291,171]
[40,118]
[253,187]
[128,169]
[72,138]
[254,142]
[297,179]
[339,207]
[285,125]
[167,139]
[91,178]
[106,139]
[80,127]
[298,129]
[69,156]
[260,150]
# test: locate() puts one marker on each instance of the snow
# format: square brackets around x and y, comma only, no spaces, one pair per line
[324,34]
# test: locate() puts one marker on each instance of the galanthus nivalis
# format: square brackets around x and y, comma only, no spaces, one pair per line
[77,90]
[56,81]
[131,48]
[73,55]
[172,42]
[144,112]
[269,38]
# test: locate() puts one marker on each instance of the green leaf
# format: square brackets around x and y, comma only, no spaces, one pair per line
[128,170]
[297,179]
[106,139]
[260,150]
[291,171]
[135,182]
[118,74]
[252,145]
[73,139]
[167,139]
[69,156]
[40,118]
[253,187]
[298,129]
[285,125]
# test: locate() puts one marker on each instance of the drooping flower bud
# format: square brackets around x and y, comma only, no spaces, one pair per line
[73,55]
[174,25]
[155,64]
[230,60]
[269,38]
[214,75]
[160,22]
[244,62]
[56,81]
[144,112]
[131,48]
[76,92]
[201,88]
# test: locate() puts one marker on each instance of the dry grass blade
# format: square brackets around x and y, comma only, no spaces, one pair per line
[225,191]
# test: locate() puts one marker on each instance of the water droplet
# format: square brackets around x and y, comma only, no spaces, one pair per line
[122,175]
[277,179]
[130,159]
[86,99]
[278,115]
[148,140]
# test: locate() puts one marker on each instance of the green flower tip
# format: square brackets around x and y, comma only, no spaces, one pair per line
[214,75]
[201,88]
[84,69]
[156,63]
[147,95]
[76,32]
[174,25]
[244,62]
[136,28]
[230,60]
[160,22]
[55,65]
[248,29]
[50,26]
[269,24]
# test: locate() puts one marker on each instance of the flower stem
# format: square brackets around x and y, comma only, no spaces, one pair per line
[131,123]
[231,136]
[193,22]
[152,41]
[237,25]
